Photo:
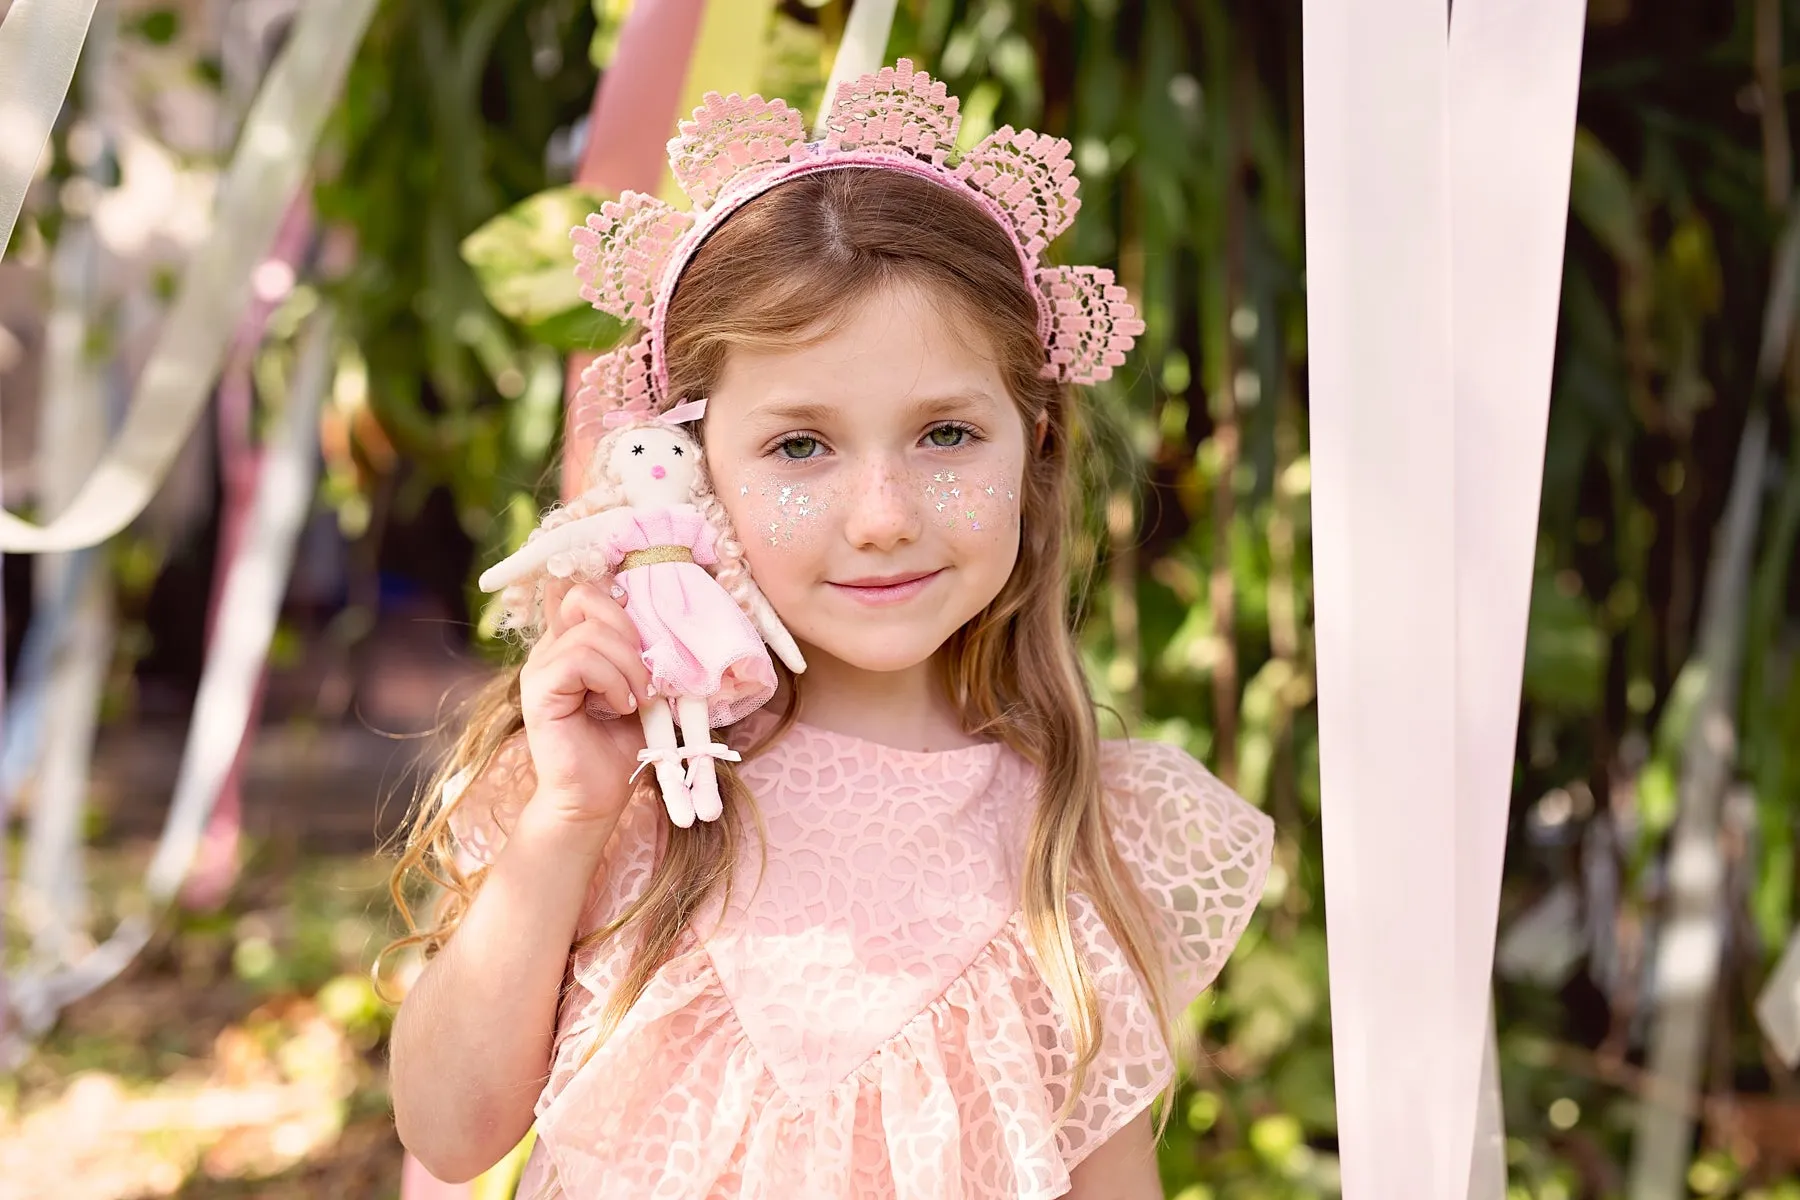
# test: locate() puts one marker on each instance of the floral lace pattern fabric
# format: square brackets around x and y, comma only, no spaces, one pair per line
[867,1018]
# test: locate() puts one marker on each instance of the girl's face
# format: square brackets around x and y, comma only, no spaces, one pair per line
[873,477]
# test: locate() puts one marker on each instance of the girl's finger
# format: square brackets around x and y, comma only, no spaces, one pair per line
[620,647]
[580,670]
[590,602]
[555,592]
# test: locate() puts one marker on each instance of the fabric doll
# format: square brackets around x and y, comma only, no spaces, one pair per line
[651,523]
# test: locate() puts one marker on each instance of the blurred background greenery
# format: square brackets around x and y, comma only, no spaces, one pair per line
[458,120]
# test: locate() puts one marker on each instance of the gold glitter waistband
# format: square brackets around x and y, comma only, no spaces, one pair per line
[655,554]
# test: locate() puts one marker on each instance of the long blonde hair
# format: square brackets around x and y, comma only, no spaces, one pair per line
[780,272]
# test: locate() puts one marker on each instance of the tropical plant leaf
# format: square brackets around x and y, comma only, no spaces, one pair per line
[523,261]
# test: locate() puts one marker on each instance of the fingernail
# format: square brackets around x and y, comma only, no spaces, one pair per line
[649,689]
[631,704]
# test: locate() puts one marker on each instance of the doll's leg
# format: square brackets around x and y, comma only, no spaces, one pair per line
[702,780]
[660,748]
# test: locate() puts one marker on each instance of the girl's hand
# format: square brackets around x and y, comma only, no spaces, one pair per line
[583,764]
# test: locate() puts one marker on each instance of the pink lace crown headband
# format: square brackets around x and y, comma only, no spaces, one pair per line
[631,253]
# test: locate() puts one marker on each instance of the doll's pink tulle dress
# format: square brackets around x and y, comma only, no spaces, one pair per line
[697,641]
[870,1021]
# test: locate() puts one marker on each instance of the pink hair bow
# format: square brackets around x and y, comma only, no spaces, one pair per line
[681,414]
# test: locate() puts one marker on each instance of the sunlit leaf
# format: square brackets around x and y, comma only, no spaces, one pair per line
[524,259]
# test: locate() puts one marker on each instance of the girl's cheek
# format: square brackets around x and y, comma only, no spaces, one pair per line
[774,512]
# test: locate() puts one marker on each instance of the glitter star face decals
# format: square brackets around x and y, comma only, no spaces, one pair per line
[978,505]
[777,512]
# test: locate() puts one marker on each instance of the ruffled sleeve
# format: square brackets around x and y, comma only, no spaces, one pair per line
[1199,852]
[483,809]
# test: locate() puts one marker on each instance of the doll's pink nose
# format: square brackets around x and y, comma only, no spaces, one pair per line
[657,472]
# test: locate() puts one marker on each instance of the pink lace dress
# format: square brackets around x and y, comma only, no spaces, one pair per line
[870,1021]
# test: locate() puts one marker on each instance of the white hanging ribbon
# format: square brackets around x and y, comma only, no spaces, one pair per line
[1487,1165]
[1778,1005]
[1383,456]
[74,416]
[40,43]
[864,49]
[273,156]
[1437,165]
[1685,972]
[52,721]
[248,609]
[1515,68]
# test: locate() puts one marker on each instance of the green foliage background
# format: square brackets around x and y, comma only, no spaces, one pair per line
[1185,119]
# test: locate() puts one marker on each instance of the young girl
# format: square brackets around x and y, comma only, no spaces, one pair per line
[940,942]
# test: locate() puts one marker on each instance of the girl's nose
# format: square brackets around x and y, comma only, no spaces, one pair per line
[657,472]
[884,513]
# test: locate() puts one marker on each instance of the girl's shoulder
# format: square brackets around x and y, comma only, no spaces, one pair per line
[1199,852]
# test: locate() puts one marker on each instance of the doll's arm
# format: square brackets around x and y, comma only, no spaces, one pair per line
[706,545]
[533,558]
[762,615]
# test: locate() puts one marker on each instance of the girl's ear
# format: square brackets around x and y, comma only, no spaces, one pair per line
[1043,431]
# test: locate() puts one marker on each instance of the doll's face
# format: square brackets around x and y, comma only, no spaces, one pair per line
[873,477]
[655,467]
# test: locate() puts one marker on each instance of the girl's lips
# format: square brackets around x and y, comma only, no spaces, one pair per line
[895,589]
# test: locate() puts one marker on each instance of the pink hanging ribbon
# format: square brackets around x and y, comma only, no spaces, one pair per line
[681,414]
[634,114]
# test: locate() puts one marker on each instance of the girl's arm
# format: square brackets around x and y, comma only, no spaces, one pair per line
[1123,1167]
[472,1040]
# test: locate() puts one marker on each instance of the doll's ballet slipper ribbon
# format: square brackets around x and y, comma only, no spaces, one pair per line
[653,756]
[1437,195]
[677,756]
[711,750]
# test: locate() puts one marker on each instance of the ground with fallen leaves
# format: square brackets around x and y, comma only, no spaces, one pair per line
[242,1055]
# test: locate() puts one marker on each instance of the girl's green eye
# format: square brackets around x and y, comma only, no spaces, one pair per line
[947,437]
[799,448]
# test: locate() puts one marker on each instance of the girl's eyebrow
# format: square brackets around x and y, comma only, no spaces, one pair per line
[927,407]
[924,408]
[797,412]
